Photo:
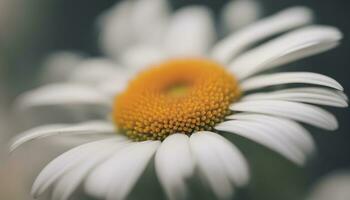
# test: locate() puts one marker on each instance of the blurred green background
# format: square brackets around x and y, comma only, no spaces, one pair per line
[30,30]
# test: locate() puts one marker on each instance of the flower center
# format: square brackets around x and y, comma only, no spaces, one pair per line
[177,96]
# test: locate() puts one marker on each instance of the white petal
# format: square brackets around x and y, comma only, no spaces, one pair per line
[297,111]
[140,57]
[92,127]
[71,180]
[174,164]
[211,166]
[288,129]
[133,22]
[261,81]
[239,13]
[115,178]
[112,87]
[148,20]
[191,32]
[57,66]
[321,96]
[66,161]
[94,70]
[286,48]
[262,134]
[62,94]
[235,164]
[288,19]
[317,90]
[114,25]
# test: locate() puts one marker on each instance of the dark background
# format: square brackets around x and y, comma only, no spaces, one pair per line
[37,27]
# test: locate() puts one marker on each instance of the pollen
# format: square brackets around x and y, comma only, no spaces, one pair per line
[176,96]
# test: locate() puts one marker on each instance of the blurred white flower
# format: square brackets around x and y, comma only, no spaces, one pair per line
[177,108]
[335,186]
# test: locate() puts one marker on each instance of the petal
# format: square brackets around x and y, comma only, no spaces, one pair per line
[234,44]
[239,13]
[297,111]
[262,81]
[233,160]
[288,129]
[321,96]
[115,178]
[94,70]
[139,57]
[214,157]
[70,181]
[286,48]
[151,17]
[86,128]
[174,164]
[317,90]
[262,134]
[114,28]
[120,26]
[58,65]
[191,32]
[66,161]
[112,87]
[62,94]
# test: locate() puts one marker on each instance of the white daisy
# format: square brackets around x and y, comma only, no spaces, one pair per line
[177,108]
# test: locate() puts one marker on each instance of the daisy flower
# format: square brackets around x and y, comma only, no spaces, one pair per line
[182,93]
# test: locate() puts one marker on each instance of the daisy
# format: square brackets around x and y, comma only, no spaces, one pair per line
[176,106]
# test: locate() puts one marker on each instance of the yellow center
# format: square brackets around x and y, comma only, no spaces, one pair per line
[177,96]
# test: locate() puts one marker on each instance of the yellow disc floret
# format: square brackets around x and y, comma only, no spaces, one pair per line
[177,96]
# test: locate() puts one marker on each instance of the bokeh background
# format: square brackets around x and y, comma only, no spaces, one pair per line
[31,30]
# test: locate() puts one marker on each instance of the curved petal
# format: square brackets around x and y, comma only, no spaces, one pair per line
[234,44]
[321,96]
[62,94]
[286,48]
[86,128]
[219,162]
[70,181]
[262,81]
[262,134]
[115,178]
[66,161]
[239,13]
[174,164]
[233,160]
[191,32]
[316,90]
[297,111]
[288,129]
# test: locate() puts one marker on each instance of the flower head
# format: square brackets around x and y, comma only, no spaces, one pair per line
[177,96]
